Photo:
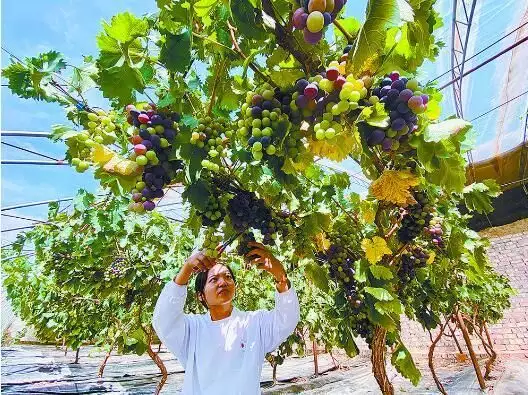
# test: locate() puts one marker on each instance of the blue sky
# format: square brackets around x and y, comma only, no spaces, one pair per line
[71,26]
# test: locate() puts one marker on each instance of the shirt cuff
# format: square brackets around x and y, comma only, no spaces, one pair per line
[176,289]
[285,296]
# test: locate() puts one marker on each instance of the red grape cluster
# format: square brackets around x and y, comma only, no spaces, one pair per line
[314,15]
[152,137]
[436,232]
[404,101]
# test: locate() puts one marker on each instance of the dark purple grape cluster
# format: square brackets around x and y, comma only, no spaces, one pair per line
[130,296]
[341,265]
[242,247]
[409,262]
[415,217]
[364,328]
[404,101]
[247,211]
[117,267]
[152,138]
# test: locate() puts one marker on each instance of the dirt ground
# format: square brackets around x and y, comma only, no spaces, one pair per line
[46,370]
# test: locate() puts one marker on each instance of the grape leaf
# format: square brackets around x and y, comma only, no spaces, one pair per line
[197,194]
[317,275]
[364,57]
[434,132]
[379,293]
[119,83]
[175,53]
[381,272]
[246,19]
[477,196]
[286,78]
[350,24]
[394,186]
[389,307]
[125,27]
[402,360]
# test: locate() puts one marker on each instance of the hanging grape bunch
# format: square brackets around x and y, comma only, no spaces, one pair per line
[152,136]
[246,211]
[210,244]
[404,101]
[415,217]
[314,15]
[435,231]
[265,120]
[211,136]
[242,248]
[341,268]
[324,98]
[117,268]
[214,212]
[409,262]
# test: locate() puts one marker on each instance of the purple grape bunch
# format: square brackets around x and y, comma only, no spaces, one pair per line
[410,261]
[404,101]
[152,137]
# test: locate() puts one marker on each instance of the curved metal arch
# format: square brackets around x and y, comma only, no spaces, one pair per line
[461,28]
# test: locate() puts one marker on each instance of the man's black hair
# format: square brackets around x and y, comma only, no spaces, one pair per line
[201,279]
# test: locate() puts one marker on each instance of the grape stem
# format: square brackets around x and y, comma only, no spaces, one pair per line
[252,65]
[347,35]
[287,40]
[219,72]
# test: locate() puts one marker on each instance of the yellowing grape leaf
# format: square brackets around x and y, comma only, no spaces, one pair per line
[375,248]
[101,154]
[367,211]
[321,241]
[121,166]
[337,148]
[393,186]
[432,257]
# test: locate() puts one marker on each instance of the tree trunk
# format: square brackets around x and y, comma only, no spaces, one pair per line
[77,355]
[159,347]
[378,361]
[103,364]
[157,360]
[316,364]
[275,373]
[467,339]
[431,355]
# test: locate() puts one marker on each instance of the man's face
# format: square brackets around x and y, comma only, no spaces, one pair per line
[219,287]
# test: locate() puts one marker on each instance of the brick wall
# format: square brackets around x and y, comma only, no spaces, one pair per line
[509,255]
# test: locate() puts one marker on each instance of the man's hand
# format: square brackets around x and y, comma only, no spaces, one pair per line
[265,260]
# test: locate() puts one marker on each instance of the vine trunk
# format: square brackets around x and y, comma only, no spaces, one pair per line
[378,361]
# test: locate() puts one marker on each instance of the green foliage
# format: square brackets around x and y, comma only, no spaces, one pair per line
[202,59]
[477,196]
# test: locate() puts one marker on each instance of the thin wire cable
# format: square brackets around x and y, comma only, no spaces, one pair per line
[482,50]
[35,162]
[30,151]
[497,55]
[22,217]
[499,106]
[19,228]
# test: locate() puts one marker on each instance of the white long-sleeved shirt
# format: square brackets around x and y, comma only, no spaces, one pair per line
[224,356]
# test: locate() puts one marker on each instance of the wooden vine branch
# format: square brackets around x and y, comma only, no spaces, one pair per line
[472,355]
[378,360]
[286,40]
[431,355]
[158,361]
[105,360]
[316,362]
[239,51]
[342,29]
